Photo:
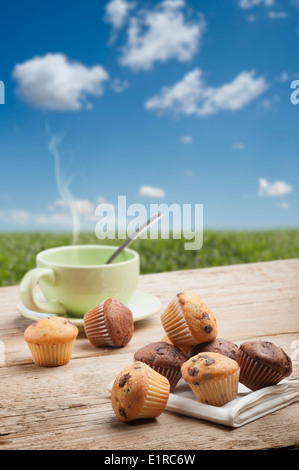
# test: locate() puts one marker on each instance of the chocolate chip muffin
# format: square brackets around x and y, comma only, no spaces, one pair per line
[212,377]
[218,345]
[139,392]
[109,324]
[188,321]
[164,358]
[262,364]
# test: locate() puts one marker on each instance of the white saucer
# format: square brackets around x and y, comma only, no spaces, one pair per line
[142,305]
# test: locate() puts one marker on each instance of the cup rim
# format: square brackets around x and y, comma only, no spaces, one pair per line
[86,266]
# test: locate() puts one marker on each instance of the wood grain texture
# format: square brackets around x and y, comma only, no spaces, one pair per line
[69,408]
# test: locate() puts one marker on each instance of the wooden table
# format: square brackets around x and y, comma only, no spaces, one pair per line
[69,408]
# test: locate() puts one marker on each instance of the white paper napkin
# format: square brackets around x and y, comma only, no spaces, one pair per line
[246,407]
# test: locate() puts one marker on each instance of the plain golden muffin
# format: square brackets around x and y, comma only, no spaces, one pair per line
[212,377]
[139,392]
[187,321]
[51,330]
[51,340]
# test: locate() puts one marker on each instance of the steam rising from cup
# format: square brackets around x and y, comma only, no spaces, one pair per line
[62,185]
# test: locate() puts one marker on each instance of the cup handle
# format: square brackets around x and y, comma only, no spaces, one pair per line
[28,294]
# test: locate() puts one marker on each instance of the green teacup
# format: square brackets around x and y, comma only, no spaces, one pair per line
[75,279]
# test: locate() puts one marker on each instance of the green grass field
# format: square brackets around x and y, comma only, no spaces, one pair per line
[18,250]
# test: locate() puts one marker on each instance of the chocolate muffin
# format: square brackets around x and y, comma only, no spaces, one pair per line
[164,358]
[262,364]
[218,345]
[109,324]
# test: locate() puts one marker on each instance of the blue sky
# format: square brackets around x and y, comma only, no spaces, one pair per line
[173,101]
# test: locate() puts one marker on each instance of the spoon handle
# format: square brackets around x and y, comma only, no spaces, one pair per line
[135,235]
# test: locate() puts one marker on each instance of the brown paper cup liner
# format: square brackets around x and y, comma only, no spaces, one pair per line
[255,375]
[217,392]
[172,375]
[95,327]
[157,395]
[51,355]
[175,325]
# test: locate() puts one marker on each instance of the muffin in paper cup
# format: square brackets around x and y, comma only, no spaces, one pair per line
[185,349]
[212,377]
[165,339]
[164,358]
[188,321]
[139,392]
[218,345]
[109,324]
[51,341]
[262,364]
[171,375]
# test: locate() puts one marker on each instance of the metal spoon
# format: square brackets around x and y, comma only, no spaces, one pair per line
[135,235]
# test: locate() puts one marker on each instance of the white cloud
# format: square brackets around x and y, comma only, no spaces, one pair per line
[247,4]
[191,96]
[102,200]
[283,205]
[81,206]
[17,216]
[266,104]
[25,218]
[54,82]
[269,103]
[251,18]
[284,77]
[277,15]
[63,219]
[238,146]
[187,139]
[161,34]
[58,213]
[41,219]
[118,85]
[149,191]
[117,12]
[278,188]
[188,173]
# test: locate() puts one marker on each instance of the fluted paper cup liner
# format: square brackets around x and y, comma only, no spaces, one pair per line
[175,325]
[217,392]
[185,349]
[51,355]
[255,375]
[95,327]
[157,395]
[172,375]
